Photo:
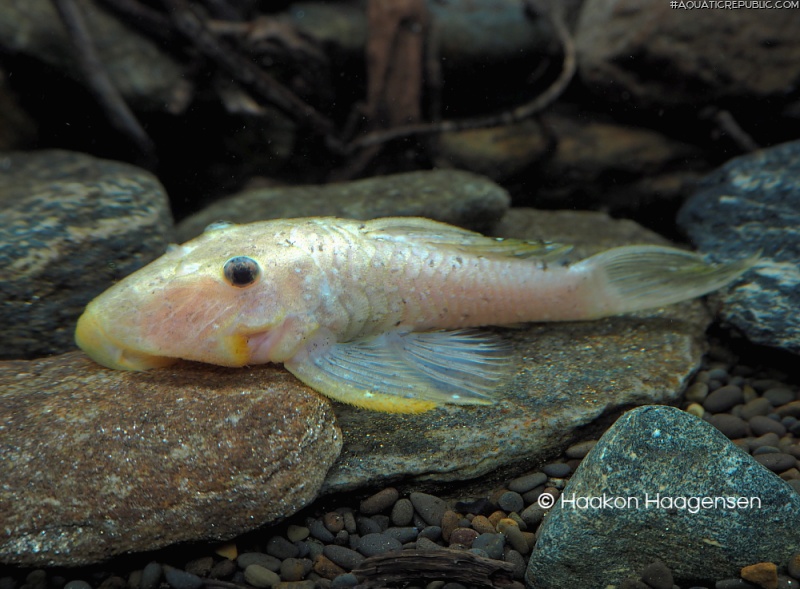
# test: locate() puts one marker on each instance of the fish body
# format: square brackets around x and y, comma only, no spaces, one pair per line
[379,314]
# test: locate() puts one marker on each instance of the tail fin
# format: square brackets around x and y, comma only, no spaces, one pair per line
[640,277]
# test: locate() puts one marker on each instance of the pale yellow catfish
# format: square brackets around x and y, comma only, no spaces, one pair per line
[376,313]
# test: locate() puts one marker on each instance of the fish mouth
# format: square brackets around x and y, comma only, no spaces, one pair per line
[93,339]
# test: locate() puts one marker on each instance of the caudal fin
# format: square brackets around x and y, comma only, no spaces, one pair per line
[646,276]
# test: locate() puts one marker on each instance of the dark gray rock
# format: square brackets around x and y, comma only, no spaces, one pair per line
[662,454]
[459,198]
[71,225]
[752,203]
[570,375]
[98,462]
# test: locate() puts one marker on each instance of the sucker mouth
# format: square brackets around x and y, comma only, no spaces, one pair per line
[92,339]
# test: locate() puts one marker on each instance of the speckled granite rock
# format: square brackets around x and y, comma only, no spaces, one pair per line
[451,196]
[700,56]
[96,462]
[145,75]
[753,203]
[662,454]
[71,225]
[570,376]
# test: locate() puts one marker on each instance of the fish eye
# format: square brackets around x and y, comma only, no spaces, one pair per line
[241,271]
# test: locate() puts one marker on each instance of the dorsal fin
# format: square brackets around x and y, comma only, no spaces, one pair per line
[406,229]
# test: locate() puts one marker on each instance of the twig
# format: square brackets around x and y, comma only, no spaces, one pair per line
[100,84]
[725,120]
[244,71]
[517,114]
[452,565]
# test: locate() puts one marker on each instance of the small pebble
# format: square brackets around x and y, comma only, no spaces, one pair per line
[427,545]
[528,482]
[731,426]
[227,550]
[758,406]
[793,566]
[431,533]
[402,512]
[779,396]
[297,533]
[380,501]
[326,568]
[510,501]
[450,521]
[295,569]
[766,450]
[333,521]
[265,560]
[344,557]
[696,409]
[429,507]
[222,570]
[344,581]
[723,399]
[178,579]
[403,534]
[373,544]
[482,525]
[768,439]
[151,576]
[533,515]
[761,425]
[36,579]
[657,575]
[776,462]
[280,547]
[720,374]
[518,561]
[556,469]
[452,585]
[763,574]
[200,566]
[463,536]
[319,531]
[792,409]
[367,525]
[513,534]
[77,584]
[697,392]
[491,543]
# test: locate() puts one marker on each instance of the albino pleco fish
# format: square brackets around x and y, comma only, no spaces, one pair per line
[379,314]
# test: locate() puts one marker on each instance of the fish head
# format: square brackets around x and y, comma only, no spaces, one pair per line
[222,298]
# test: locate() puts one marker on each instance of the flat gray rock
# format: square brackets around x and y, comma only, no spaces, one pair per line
[752,203]
[570,376]
[675,461]
[451,196]
[71,225]
[96,462]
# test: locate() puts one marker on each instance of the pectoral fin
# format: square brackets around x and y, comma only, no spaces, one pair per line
[405,372]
